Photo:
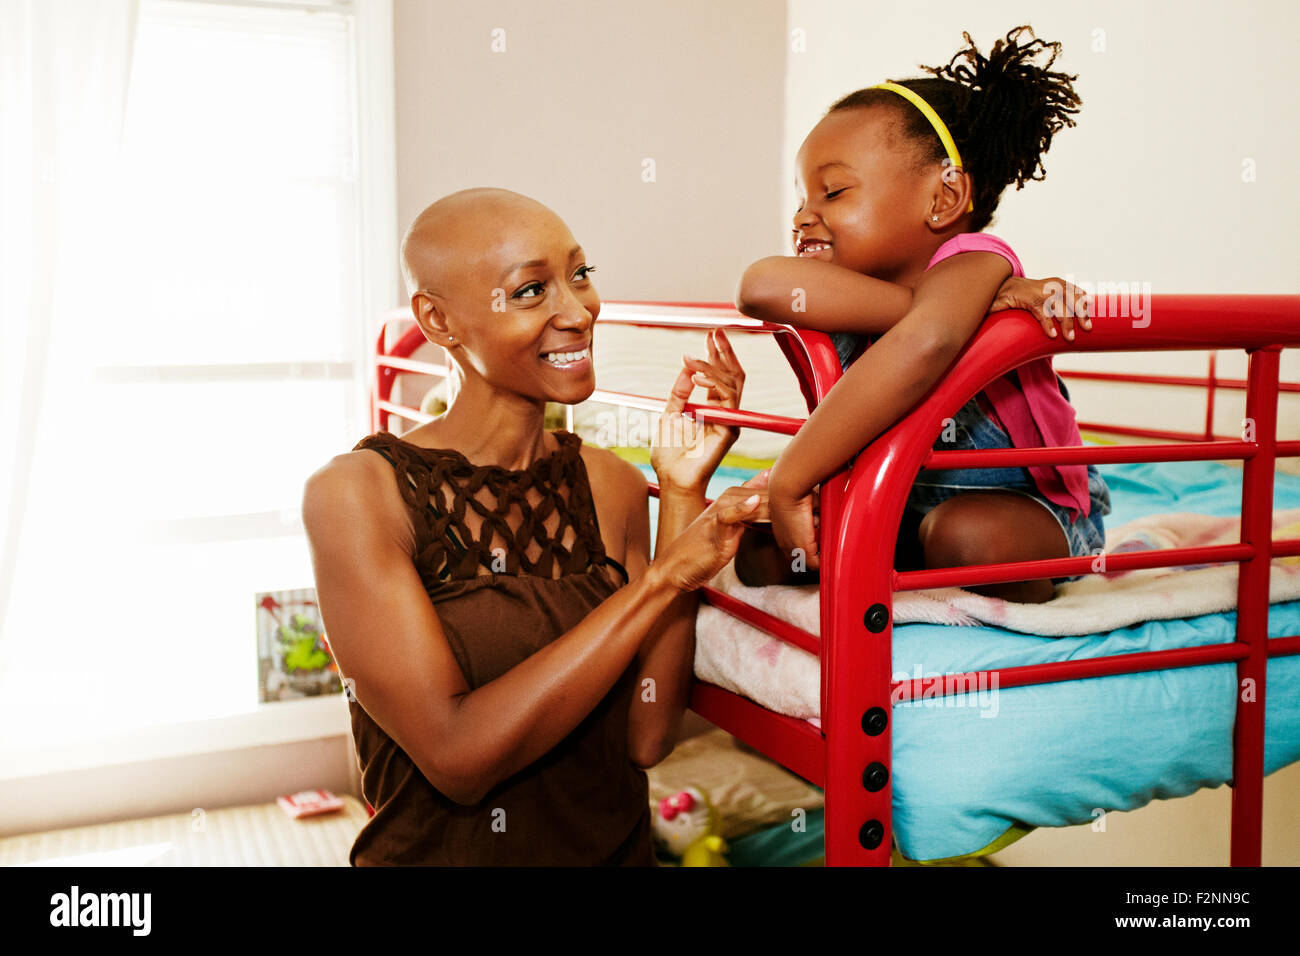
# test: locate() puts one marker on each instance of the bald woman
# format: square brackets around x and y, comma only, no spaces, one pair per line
[514,657]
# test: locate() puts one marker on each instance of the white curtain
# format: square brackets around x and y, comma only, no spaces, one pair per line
[64,73]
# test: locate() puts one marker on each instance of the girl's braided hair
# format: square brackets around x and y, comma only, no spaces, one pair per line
[1001,111]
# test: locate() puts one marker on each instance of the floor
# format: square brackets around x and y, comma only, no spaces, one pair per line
[1189,831]
[261,835]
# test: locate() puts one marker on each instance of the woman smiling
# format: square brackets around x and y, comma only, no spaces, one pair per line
[514,656]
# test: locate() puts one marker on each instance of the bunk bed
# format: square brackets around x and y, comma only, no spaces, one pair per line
[1092,723]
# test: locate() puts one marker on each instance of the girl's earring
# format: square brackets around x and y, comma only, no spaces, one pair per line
[934,218]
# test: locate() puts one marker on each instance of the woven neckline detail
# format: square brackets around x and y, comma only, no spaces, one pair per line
[471,520]
[569,444]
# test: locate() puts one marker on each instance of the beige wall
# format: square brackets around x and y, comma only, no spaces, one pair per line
[583,93]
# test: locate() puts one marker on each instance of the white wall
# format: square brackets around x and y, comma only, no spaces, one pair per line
[1148,187]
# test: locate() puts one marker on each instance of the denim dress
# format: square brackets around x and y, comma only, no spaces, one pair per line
[972,428]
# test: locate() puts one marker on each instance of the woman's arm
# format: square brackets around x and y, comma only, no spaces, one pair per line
[685,456]
[387,638]
[881,386]
[666,661]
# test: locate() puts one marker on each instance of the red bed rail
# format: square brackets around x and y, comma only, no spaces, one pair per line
[862,506]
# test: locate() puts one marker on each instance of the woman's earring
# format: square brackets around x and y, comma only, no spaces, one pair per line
[934,218]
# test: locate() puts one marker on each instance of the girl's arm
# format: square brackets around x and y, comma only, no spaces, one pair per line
[812,294]
[889,378]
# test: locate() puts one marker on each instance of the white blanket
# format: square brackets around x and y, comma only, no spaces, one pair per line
[786,679]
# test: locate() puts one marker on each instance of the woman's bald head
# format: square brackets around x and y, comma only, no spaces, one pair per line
[498,280]
[460,231]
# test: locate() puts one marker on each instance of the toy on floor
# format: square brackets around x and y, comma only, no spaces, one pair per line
[685,825]
[309,803]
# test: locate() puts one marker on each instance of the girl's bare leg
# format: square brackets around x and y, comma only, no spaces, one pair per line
[993,527]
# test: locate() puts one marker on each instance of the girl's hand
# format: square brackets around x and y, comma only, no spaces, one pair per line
[696,555]
[794,525]
[687,452]
[1050,301]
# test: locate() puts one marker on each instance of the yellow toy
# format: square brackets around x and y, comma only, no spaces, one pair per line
[685,826]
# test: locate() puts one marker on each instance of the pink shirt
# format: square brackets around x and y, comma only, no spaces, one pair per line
[1028,402]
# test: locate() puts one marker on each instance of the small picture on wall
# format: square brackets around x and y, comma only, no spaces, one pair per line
[294,659]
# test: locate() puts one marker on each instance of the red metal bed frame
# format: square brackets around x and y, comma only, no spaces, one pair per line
[861,507]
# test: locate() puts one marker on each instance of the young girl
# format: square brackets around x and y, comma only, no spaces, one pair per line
[896,184]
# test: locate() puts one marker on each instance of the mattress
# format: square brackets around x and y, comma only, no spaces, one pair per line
[966,770]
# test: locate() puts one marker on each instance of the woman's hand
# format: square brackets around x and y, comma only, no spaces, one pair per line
[696,555]
[795,519]
[1049,300]
[687,452]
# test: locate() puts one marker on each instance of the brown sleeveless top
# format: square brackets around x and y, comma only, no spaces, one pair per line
[512,559]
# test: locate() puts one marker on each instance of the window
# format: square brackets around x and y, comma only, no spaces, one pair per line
[217,357]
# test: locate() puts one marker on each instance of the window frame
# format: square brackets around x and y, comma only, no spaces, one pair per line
[220,742]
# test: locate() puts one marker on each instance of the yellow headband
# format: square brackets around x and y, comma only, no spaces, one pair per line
[944,136]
